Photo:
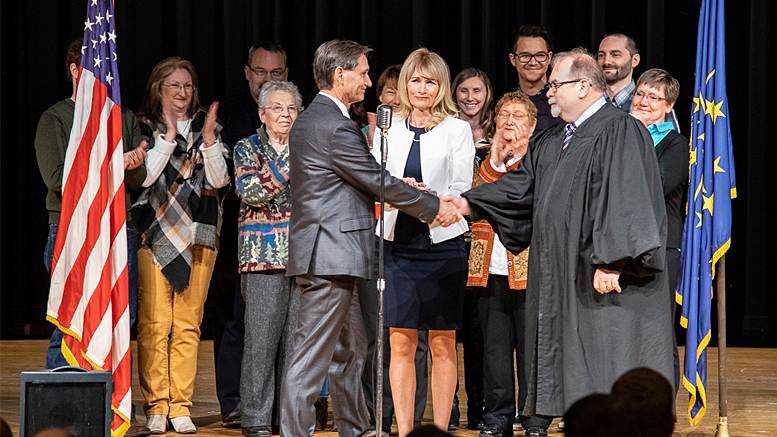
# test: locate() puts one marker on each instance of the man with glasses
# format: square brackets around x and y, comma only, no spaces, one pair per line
[588,198]
[618,56]
[530,53]
[240,118]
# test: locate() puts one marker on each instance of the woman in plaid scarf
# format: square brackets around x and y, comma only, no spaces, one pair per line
[179,216]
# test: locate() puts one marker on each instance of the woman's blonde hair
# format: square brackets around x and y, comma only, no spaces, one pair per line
[431,66]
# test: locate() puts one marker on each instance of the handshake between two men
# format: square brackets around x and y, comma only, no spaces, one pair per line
[452,208]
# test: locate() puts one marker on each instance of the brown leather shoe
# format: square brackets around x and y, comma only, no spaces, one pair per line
[137,430]
[322,411]
[231,419]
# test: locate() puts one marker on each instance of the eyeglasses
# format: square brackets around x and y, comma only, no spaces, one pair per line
[261,72]
[525,58]
[518,116]
[555,85]
[278,109]
[178,88]
[652,98]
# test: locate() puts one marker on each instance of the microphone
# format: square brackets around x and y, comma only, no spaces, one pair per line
[383,118]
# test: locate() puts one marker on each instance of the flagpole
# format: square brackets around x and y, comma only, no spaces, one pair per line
[722,428]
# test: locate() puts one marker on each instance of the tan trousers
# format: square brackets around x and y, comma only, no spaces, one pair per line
[169,332]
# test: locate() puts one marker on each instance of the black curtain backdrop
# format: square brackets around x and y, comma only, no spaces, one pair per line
[216,35]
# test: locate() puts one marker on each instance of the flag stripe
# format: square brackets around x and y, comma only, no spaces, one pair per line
[89,299]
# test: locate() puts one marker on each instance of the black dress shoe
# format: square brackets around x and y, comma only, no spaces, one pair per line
[536,431]
[257,431]
[494,431]
[322,411]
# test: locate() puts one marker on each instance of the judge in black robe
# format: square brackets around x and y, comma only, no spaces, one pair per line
[598,204]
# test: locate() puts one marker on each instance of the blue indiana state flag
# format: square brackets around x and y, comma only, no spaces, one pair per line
[707,230]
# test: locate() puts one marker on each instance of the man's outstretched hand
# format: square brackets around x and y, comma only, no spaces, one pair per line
[448,214]
[460,203]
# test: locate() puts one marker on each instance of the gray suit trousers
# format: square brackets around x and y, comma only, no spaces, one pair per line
[271,301]
[329,340]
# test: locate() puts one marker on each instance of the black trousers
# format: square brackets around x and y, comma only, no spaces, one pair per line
[502,320]
[228,313]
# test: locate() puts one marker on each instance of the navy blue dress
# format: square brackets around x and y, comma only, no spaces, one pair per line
[424,281]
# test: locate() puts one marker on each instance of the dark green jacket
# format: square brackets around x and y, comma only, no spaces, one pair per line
[51,140]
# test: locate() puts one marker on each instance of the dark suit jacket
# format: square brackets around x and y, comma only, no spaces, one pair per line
[334,183]
[672,154]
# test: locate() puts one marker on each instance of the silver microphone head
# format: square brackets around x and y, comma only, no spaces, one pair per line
[383,117]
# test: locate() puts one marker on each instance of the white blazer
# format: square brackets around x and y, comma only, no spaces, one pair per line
[447,156]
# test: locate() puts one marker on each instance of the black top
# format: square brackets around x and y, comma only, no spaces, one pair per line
[409,230]
[672,154]
[240,118]
[544,118]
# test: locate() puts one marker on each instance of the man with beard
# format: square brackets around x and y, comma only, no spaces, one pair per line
[588,198]
[240,118]
[531,50]
[618,56]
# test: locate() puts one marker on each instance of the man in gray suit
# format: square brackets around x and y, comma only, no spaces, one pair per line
[335,183]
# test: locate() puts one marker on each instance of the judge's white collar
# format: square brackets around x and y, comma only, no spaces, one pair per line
[590,111]
[341,105]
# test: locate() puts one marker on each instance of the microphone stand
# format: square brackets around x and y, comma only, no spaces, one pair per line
[381,287]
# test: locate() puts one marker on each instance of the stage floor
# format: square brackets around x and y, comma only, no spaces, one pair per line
[752,390]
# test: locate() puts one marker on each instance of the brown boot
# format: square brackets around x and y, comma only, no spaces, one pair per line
[322,410]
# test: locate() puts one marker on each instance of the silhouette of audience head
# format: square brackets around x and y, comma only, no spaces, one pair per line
[600,415]
[651,398]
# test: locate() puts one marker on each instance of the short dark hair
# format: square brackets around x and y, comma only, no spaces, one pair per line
[267,46]
[530,31]
[73,55]
[651,398]
[631,45]
[336,53]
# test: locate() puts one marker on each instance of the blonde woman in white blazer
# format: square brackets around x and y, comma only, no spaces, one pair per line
[426,264]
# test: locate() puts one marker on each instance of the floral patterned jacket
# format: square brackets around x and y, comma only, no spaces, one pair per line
[262,184]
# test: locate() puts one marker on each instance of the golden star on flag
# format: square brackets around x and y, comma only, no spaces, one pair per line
[698,214]
[696,101]
[714,110]
[717,167]
[699,188]
[709,202]
[693,157]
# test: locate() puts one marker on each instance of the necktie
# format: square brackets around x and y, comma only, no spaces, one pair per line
[569,129]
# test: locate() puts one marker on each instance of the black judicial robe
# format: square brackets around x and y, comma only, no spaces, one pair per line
[599,203]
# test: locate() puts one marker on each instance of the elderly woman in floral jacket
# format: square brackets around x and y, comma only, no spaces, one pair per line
[272,299]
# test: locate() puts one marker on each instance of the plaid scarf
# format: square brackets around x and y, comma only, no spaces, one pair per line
[180,209]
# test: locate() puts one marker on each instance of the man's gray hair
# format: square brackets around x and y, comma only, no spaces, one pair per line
[267,46]
[279,85]
[336,53]
[584,66]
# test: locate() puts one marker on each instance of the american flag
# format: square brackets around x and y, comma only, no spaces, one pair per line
[88,298]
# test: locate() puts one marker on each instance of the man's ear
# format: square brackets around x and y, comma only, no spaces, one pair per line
[635,60]
[74,70]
